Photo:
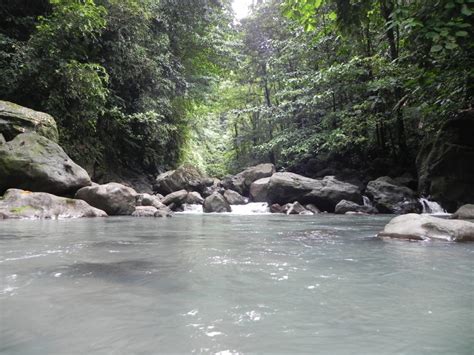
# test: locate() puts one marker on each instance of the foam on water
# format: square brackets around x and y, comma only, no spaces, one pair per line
[248,209]
[432,207]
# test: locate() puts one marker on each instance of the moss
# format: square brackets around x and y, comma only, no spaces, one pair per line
[70,201]
[20,209]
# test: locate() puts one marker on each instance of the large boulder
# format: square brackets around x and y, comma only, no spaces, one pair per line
[345,206]
[422,227]
[176,198]
[113,198]
[234,198]
[16,119]
[33,162]
[21,204]
[259,190]
[325,193]
[445,168]
[216,203]
[242,181]
[186,177]
[389,196]
[464,212]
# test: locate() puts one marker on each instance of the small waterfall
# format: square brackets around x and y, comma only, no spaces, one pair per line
[248,209]
[367,201]
[431,207]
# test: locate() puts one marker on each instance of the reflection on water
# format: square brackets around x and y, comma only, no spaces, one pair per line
[230,284]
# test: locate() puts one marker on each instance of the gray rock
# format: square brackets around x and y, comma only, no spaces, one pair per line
[276,208]
[234,198]
[16,119]
[21,204]
[325,193]
[345,206]
[464,212]
[312,208]
[390,197]
[295,208]
[242,181]
[2,139]
[186,177]
[113,198]
[176,198]
[216,203]
[33,162]
[422,227]
[149,200]
[259,190]
[150,211]
[194,198]
[445,163]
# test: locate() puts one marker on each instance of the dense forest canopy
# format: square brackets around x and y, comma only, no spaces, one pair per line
[144,85]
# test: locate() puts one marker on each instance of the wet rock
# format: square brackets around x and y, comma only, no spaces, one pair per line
[295,208]
[35,163]
[464,212]
[325,193]
[422,227]
[312,208]
[259,190]
[186,177]
[348,206]
[150,211]
[390,197]
[216,203]
[176,198]
[113,198]
[445,168]
[234,198]
[148,200]
[21,204]
[16,119]
[242,181]
[276,208]
[194,198]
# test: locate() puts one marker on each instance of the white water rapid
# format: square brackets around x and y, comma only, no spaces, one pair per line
[431,207]
[248,209]
[367,201]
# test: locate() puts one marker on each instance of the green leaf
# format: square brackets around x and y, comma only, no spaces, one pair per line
[465,10]
[461,34]
[332,15]
[436,48]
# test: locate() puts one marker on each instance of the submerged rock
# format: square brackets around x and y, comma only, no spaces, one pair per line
[35,163]
[422,227]
[150,211]
[242,181]
[445,163]
[21,204]
[464,212]
[325,193]
[113,198]
[216,203]
[16,119]
[390,197]
[345,206]
[259,190]
[234,198]
[186,177]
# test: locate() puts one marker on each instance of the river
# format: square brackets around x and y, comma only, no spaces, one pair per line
[231,285]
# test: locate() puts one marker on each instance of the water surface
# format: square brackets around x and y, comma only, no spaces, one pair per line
[230,284]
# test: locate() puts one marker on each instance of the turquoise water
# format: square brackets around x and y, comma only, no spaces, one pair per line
[231,285]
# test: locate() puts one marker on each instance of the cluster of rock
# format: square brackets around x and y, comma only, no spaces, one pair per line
[39,180]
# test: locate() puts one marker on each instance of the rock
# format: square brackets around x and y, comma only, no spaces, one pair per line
[422,227]
[35,163]
[2,139]
[113,198]
[464,212]
[445,168]
[295,208]
[325,193]
[215,187]
[242,181]
[148,200]
[276,208]
[259,190]
[390,197]
[345,206]
[194,198]
[234,198]
[21,204]
[407,180]
[176,198]
[216,203]
[150,211]
[186,177]
[16,119]
[312,208]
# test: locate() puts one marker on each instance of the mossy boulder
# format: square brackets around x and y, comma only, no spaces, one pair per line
[186,177]
[35,163]
[16,119]
[113,198]
[21,204]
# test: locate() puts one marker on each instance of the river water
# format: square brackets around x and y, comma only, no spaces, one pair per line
[230,285]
